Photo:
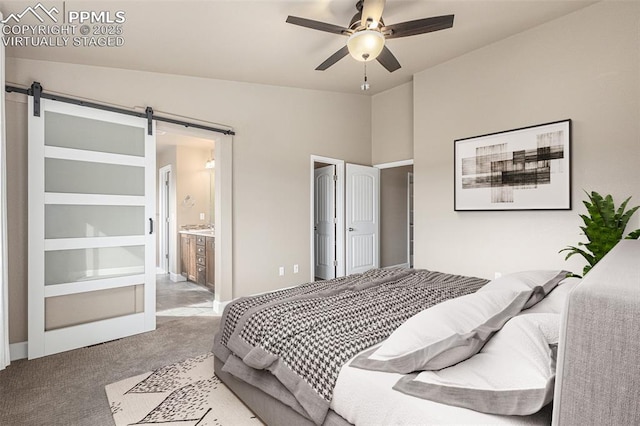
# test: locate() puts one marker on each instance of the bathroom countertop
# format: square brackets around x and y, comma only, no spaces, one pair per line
[202,232]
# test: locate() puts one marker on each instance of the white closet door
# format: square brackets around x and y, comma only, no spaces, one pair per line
[325,222]
[363,218]
[91,243]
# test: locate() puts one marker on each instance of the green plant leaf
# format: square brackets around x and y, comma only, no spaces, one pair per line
[607,211]
[604,226]
[575,250]
[624,218]
[634,235]
[622,207]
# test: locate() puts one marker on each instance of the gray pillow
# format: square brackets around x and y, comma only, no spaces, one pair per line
[513,374]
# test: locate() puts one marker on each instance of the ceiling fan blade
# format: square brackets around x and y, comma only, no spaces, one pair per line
[372,10]
[387,60]
[333,59]
[419,26]
[317,25]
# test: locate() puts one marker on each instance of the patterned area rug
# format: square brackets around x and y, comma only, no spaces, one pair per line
[187,393]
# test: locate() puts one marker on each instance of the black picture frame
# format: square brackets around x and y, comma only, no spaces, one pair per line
[528,168]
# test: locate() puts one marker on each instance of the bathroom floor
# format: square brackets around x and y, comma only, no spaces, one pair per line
[182,299]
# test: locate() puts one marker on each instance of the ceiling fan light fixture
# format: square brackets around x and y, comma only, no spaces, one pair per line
[365,45]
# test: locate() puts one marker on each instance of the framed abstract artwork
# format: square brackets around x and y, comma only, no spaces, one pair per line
[521,169]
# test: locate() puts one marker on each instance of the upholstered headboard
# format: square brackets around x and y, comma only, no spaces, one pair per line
[598,375]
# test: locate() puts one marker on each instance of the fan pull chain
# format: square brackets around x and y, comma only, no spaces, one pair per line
[365,85]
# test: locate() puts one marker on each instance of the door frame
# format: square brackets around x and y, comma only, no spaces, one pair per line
[410,211]
[340,232]
[392,165]
[223,212]
[164,219]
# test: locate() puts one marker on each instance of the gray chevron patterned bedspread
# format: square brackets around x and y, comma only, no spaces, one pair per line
[304,335]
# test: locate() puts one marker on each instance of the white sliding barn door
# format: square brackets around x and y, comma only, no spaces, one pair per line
[363,218]
[91,243]
[325,222]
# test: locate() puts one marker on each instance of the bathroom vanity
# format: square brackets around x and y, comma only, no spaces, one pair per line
[197,260]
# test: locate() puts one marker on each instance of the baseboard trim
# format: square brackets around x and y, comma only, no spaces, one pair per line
[219,306]
[18,350]
[176,278]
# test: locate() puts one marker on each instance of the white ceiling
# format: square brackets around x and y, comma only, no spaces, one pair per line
[249,40]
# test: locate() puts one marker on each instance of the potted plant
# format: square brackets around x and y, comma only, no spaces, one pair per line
[604,226]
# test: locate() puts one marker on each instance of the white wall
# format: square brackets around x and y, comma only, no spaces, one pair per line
[392,125]
[16,121]
[277,130]
[584,66]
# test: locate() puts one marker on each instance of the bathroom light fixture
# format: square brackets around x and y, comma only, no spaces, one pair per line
[365,45]
[211,163]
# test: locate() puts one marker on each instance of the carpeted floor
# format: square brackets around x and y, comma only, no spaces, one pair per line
[68,388]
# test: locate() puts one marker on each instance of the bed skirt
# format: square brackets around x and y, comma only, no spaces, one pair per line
[267,408]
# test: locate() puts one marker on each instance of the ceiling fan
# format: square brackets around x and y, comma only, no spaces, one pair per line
[367,33]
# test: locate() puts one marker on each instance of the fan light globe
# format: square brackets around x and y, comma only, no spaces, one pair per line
[366,45]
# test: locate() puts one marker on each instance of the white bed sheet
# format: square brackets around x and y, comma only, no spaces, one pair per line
[365,397]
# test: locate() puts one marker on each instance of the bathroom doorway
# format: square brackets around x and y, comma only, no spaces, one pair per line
[186,194]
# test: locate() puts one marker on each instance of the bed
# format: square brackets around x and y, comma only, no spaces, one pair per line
[328,352]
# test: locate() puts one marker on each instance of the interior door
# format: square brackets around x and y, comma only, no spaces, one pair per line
[325,222]
[91,243]
[363,218]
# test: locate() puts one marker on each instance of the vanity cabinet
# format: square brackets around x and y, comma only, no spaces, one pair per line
[200,271]
[210,262]
[187,256]
[197,259]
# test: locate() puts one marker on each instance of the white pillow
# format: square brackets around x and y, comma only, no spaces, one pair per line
[554,302]
[444,334]
[541,282]
[513,374]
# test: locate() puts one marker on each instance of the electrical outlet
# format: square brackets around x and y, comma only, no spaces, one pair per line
[201,216]
[296,269]
[281,271]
